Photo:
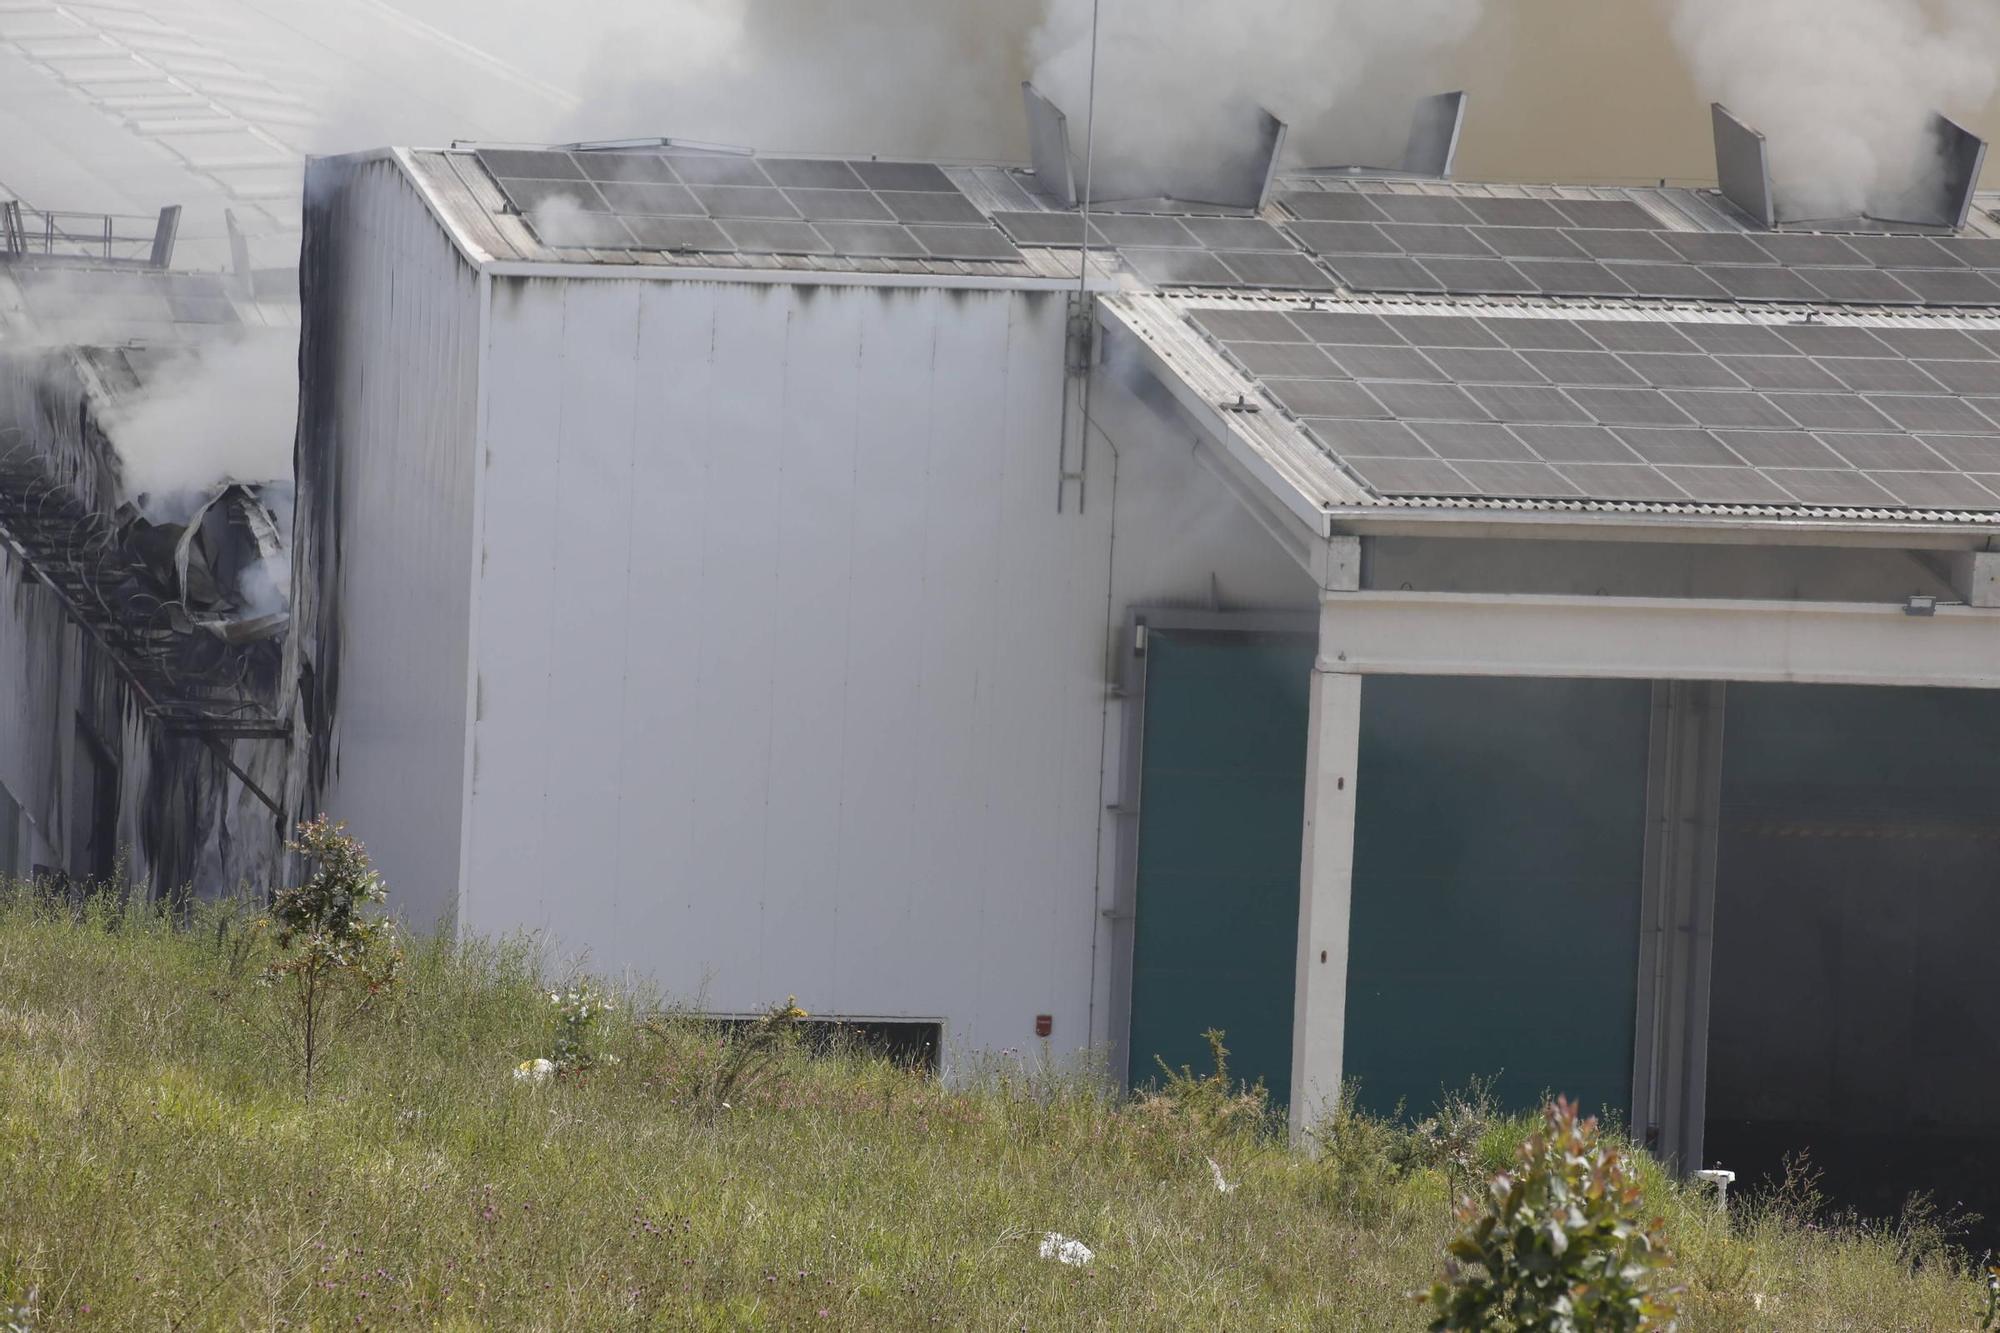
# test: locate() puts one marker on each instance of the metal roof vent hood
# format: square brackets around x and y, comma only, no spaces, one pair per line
[1435,129]
[1941,198]
[1238,182]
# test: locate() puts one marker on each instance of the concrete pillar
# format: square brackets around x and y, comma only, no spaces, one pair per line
[1326,881]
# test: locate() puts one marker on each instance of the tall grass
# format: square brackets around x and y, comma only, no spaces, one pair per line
[159,1169]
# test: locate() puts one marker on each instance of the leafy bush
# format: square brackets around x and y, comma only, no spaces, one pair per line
[332,961]
[1559,1243]
[578,1010]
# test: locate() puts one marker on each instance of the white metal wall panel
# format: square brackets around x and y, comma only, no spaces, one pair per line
[38,654]
[791,676]
[404,359]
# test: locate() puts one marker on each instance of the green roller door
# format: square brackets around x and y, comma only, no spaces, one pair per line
[1222,789]
[1499,851]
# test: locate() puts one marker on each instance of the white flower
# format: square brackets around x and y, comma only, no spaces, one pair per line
[1222,1186]
[534,1071]
[1063,1250]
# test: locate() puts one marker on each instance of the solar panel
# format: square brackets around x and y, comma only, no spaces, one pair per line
[1377,439]
[741,201]
[1703,247]
[1431,239]
[1967,453]
[844,205]
[1779,372]
[1886,453]
[1574,444]
[1919,414]
[1296,360]
[719,169]
[1964,377]
[1515,212]
[1902,252]
[1529,480]
[1264,326]
[1261,268]
[1547,334]
[1370,274]
[1422,208]
[1606,213]
[1149,230]
[633,168]
[1442,330]
[1680,370]
[1737,339]
[1727,485]
[978,243]
[1529,242]
[1344,238]
[1527,403]
[1237,234]
[678,234]
[1934,344]
[1977,252]
[873,240]
[1324,398]
[1832,487]
[1612,481]
[1485,365]
[1629,407]
[1669,280]
[1949,287]
[1778,448]
[1634,335]
[1445,402]
[529,164]
[1826,340]
[1480,277]
[1616,244]
[1328,206]
[1170,268]
[1861,286]
[1385,363]
[1592,368]
[652,200]
[1937,490]
[1470,439]
[531,197]
[1879,374]
[811,174]
[904,176]
[1830,411]
[1411,476]
[1678,446]
[1715,408]
[1797,251]
[1331,326]
[1764,284]
[765,236]
[1566,278]
[932,206]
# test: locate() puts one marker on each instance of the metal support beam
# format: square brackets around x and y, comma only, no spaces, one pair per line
[1677,919]
[1634,638]
[1326,887]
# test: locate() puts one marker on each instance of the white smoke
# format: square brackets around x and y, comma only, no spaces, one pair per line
[219,413]
[1843,90]
[1180,81]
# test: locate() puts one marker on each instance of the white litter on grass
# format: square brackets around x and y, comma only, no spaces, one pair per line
[1222,1184]
[1063,1250]
[534,1071]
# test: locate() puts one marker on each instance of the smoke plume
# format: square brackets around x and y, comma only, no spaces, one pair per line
[1181,80]
[1843,90]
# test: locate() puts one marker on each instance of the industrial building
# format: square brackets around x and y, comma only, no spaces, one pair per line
[1430,631]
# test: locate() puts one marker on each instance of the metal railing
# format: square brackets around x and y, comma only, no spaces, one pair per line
[111,237]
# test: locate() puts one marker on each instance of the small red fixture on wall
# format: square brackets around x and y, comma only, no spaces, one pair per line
[1044,1024]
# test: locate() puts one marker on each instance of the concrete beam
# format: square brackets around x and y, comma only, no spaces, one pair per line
[1326,886]
[1975,577]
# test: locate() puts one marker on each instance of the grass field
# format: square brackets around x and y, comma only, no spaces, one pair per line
[159,1169]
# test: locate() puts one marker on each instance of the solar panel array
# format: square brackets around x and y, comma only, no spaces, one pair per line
[1539,408]
[729,203]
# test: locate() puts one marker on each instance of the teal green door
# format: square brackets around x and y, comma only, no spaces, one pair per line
[1499,850]
[1222,809]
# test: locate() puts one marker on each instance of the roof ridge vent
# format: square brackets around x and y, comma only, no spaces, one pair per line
[1942,197]
[1241,181]
[1435,129]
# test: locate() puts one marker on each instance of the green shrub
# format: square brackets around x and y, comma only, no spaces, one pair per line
[332,961]
[1559,1243]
